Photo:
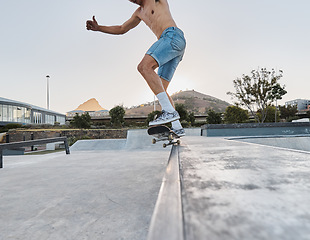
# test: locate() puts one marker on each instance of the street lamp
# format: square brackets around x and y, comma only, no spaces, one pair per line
[48,92]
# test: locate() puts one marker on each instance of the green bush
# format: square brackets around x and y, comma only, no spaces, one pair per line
[235,114]
[151,116]
[181,109]
[13,125]
[83,121]
[9,126]
[117,116]
[214,117]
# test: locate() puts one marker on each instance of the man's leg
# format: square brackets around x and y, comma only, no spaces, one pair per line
[165,84]
[147,69]
[176,125]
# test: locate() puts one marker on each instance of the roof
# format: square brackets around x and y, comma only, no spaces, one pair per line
[27,105]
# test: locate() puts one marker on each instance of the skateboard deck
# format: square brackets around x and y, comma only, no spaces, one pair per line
[163,133]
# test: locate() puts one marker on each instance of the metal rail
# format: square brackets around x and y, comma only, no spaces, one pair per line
[31,143]
[167,219]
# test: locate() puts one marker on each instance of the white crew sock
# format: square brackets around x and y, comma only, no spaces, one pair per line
[165,102]
[176,125]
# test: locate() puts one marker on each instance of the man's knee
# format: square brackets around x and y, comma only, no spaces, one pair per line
[147,64]
[141,67]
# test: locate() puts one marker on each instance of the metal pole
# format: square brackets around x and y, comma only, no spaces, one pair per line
[275,115]
[32,138]
[67,146]
[48,92]
[1,159]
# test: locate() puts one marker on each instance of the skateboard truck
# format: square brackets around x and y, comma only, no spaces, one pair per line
[171,140]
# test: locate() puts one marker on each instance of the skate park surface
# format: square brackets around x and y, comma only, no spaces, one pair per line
[206,188]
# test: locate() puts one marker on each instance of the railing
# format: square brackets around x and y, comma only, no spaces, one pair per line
[167,219]
[15,145]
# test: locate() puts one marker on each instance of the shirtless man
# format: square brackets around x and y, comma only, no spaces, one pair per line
[165,54]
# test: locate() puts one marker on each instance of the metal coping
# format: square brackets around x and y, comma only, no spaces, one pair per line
[167,219]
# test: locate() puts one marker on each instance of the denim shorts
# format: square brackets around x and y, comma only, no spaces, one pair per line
[168,51]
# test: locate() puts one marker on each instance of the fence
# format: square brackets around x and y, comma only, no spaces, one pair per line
[15,145]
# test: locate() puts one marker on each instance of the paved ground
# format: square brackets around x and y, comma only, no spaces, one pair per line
[84,195]
[298,142]
[234,190]
[230,190]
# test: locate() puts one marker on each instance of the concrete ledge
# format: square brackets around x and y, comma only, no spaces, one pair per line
[234,190]
[167,219]
[255,129]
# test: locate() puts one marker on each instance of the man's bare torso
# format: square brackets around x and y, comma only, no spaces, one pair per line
[156,15]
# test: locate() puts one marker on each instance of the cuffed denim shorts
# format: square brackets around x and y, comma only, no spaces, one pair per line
[168,51]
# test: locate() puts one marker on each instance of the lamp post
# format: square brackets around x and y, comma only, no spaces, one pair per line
[48,92]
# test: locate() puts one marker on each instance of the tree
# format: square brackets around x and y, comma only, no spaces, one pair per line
[151,116]
[272,114]
[214,117]
[258,91]
[235,114]
[181,109]
[277,92]
[191,118]
[287,112]
[83,121]
[117,116]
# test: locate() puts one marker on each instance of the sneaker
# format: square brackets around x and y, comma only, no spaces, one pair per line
[180,132]
[165,117]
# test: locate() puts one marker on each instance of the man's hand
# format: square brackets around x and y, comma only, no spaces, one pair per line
[119,29]
[92,24]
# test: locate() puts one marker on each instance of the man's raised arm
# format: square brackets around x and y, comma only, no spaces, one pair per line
[120,29]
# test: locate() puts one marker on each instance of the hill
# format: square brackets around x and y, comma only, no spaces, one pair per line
[91,105]
[194,101]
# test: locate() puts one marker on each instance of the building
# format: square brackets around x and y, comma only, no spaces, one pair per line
[302,104]
[93,114]
[12,111]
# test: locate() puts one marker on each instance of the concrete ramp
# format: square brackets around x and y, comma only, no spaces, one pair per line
[297,142]
[98,144]
[139,139]
[193,131]
[136,139]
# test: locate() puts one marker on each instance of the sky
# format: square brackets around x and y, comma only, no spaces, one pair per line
[225,39]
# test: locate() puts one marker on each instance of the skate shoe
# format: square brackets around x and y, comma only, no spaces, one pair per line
[180,132]
[165,117]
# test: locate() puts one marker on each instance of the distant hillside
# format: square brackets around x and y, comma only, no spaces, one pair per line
[90,105]
[194,101]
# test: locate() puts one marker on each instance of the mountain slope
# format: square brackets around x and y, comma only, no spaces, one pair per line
[194,101]
[90,105]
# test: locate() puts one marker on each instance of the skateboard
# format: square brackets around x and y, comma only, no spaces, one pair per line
[163,133]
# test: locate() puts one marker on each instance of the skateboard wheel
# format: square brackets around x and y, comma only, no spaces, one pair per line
[178,142]
[170,137]
[153,140]
[164,145]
